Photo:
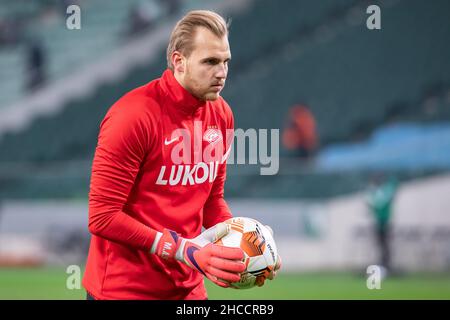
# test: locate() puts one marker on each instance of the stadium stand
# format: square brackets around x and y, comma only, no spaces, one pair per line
[356,72]
[338,65]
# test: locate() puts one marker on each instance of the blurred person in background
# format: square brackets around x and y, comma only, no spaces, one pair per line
[36,65]
[380,201]
[300,134]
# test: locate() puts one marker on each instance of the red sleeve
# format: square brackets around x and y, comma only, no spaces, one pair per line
[216,208]
[122,144]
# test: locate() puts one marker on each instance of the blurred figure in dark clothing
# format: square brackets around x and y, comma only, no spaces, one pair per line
[380,201]
[36,64]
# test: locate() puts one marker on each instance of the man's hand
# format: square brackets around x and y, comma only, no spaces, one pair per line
[219,264]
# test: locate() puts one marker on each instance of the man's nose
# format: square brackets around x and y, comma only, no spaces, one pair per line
[221,71]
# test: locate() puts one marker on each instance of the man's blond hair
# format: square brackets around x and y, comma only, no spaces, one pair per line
[183,34]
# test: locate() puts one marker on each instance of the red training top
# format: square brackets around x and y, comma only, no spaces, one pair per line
[160,163]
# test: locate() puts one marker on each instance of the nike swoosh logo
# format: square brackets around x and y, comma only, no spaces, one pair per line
[225,156]
[190,253]
[167,142]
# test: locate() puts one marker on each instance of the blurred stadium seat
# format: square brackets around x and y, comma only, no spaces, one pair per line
[313,53]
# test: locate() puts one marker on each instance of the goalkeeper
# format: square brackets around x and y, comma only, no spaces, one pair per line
[147,206]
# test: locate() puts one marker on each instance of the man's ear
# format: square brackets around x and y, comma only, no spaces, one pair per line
[178,62]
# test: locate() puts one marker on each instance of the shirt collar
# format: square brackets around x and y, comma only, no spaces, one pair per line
[181,98]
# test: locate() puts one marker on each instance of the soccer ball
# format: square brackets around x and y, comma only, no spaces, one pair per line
[259,249]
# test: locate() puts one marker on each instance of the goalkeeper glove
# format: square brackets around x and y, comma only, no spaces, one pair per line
[273,273]
[219,264]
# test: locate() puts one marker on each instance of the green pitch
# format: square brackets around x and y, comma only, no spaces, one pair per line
[50,283]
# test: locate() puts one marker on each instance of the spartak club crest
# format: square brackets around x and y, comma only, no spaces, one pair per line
[212,135]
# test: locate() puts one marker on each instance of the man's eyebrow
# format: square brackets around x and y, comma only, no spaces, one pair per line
[215,59]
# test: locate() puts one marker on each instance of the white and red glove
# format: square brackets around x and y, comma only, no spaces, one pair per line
[222,265]
[273,273]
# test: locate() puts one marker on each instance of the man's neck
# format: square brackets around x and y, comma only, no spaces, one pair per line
[179,78]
